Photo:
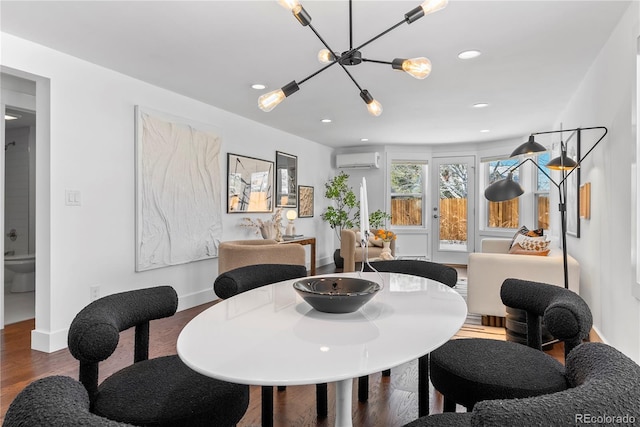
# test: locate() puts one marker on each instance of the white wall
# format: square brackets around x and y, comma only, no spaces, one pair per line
[92,151]
[606,98]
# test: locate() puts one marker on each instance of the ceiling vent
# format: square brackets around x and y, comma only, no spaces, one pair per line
[358,161]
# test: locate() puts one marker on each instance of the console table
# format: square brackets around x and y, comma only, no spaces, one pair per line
[304,240]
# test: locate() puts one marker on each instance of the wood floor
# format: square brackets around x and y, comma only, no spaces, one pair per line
[392,400]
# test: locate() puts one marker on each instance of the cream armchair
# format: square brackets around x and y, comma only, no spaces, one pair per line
[351,252]
[239,253]
[487,270]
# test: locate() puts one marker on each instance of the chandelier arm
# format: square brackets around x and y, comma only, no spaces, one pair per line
[317,72]
[393,27]
[334,62]
[351,77]
[321,39]
[377,61]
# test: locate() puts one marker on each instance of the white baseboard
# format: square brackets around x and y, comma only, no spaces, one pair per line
[196,298]
[49,342]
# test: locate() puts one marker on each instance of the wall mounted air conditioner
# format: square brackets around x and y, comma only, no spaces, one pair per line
[358,160]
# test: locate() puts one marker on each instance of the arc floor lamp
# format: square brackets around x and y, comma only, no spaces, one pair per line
[507,189]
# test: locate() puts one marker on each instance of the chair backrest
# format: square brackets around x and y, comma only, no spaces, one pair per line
[243,279]
[604,385]
[95,331]
[54,401]
[565,314]
[430,270]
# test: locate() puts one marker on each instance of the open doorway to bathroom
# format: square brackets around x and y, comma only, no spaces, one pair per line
[19,203]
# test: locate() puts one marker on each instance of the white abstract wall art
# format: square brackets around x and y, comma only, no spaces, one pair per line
[178,192]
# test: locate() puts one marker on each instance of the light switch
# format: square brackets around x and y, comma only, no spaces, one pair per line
[72,198]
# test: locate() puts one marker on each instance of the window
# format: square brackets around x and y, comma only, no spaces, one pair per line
[542,191]
[502,214]
[408,181]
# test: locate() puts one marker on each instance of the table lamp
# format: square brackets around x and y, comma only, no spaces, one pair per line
[291,228]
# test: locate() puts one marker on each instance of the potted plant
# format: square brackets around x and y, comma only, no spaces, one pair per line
[345,212]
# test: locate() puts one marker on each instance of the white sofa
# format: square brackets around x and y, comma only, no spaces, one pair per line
[487,270]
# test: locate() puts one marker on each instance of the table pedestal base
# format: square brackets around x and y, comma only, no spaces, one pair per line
[344,390]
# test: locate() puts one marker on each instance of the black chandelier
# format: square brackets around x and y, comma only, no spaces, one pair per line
[416,67]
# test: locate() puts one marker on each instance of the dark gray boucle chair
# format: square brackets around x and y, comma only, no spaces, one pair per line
[55,401]
[467,371]
[162,391]
[603,384]
[430,270]
[243,279]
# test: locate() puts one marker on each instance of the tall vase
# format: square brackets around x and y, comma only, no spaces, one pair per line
[386,251]
[268,231]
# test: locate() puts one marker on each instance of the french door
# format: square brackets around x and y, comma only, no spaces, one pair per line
[452,209]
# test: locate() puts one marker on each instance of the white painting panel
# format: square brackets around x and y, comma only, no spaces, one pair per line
[178,200]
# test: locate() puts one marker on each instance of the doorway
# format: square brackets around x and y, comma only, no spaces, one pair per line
[19,213]
[453,201]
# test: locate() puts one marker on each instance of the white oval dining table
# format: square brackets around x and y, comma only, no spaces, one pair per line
[271,336]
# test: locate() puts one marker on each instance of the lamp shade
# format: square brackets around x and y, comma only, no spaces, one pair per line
[529,147]
[503,190]
[563,162]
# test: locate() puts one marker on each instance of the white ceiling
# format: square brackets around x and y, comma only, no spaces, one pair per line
[535,54]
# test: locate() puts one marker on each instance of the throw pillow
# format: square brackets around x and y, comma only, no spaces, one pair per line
[518,250]
[532,243]
[524,231]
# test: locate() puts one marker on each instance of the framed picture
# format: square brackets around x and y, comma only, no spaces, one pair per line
[573,189]
[305,207]
[249,184]
[178,191]
[286,180]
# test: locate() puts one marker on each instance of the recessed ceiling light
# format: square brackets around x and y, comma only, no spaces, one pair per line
[469,54]
[258,86]
[11,116]
[326,120]
[485,130]
[364,139]
[480,105]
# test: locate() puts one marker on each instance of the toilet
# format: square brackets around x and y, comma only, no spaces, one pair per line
[24,269]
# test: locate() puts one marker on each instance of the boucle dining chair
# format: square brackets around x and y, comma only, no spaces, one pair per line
[55,401]
[242,279]
[431,270]
[160,391]
[603,388]
[467,371]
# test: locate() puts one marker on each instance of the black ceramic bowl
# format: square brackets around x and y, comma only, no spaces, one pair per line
[336,294]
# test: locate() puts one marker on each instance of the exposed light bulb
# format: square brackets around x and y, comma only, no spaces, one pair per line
[325,56]
[430,6]
[375,108]
[270,100]
[289,4]
[419,68]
